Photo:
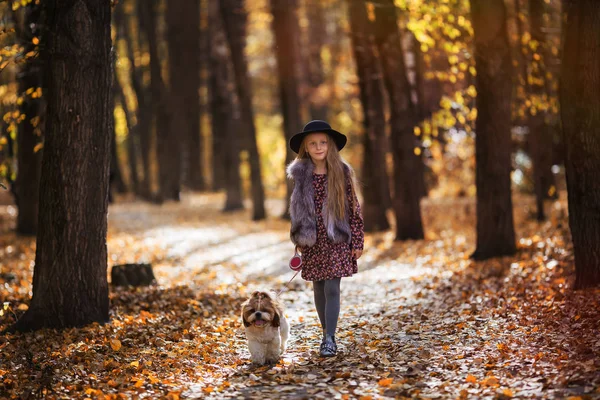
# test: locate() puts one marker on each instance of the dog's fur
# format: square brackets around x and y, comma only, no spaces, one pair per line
[267,329]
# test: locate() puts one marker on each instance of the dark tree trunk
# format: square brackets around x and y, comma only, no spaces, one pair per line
[132,145]
[224,114]
[407,195]
[142,129]
[183,21]
[495,229]
[286,32]
[69,281]
[168,144]
[423,111]
[376,193]
[541,135]
[234,18]
[28,159]
[115,177]
[119,97]
[317,35]
[580,112]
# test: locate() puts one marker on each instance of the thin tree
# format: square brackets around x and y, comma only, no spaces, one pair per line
[406,200]
[69,279]
[376,191]
[116,180]
[286,32]
[580,113]
[168,140]
[142,129]
[317,36]
[495,227]
[224,113]
[539,132]
[132,137]
[234,17]
[29,133]
[183,38]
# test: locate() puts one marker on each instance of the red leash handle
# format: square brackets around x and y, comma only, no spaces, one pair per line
[296,261]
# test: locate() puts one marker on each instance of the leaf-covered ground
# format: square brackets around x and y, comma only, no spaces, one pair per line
[420,320]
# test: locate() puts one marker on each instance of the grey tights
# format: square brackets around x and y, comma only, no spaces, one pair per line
[327,301]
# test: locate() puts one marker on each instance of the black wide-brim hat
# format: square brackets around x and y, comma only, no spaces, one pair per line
[318,126]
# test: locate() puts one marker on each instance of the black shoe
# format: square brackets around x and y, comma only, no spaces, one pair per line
[328,346]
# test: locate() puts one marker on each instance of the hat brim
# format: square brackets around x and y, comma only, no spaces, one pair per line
[339,138]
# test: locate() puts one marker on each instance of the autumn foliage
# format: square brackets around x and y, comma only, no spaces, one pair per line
[443,325]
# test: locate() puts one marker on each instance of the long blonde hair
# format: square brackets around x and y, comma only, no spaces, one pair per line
[336,179]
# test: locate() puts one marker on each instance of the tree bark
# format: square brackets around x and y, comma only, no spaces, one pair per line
[286,31]
[168,144]
[28,159]
[224,114]
[376,196]
[132,148]
[234,18]
[183,21]
[422,110]
[142,129]
[115,175]
[495,228]
[580,113]
[539,131]
[69,281]
[317,35]
[407,195]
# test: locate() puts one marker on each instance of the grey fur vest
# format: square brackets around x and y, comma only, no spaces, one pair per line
[302,208]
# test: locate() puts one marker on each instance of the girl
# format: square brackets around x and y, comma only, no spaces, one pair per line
[327,225]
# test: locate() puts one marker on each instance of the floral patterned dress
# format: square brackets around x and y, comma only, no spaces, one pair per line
[326,259]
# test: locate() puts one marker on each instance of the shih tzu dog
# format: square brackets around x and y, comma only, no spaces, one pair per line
[266,327]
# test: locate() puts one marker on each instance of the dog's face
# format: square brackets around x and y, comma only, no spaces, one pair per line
[261,310]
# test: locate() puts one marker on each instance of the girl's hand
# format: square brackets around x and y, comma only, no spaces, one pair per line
[356,253]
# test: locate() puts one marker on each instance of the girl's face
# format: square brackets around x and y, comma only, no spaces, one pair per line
[317,145]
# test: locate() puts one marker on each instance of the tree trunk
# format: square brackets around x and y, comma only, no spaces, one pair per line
[495,229]
[69,281]
[119,23]
[580,113]
[286,31]
[167,139]
[28,159]
[142,129]
[541,136]
[423,111]
[233,15]
[407,195]
[376,196]
[132,145]
[183,21]
[115,175]
[224,116]
[317,35]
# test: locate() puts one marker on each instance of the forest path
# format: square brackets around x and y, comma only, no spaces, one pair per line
[419,320]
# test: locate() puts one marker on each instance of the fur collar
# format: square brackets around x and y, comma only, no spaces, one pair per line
[303,232]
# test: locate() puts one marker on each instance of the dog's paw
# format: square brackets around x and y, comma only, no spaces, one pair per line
[259,361]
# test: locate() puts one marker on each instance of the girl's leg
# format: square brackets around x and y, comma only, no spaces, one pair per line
[332,305]
[320,302]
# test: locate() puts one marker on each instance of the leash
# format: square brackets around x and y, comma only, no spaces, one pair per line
[286,285]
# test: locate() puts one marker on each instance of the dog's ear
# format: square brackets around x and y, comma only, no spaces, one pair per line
[276,321]
[246,323]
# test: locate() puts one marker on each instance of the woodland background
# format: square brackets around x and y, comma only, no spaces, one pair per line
[466,120]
